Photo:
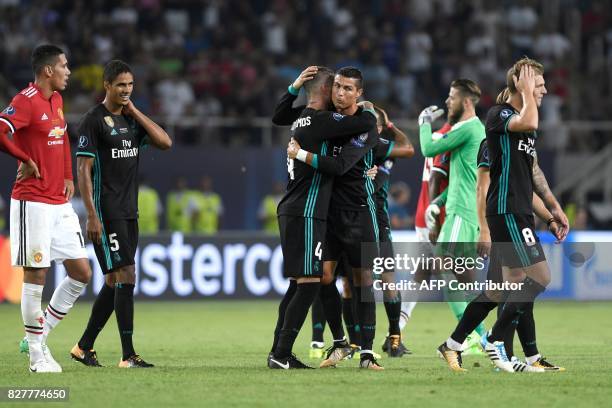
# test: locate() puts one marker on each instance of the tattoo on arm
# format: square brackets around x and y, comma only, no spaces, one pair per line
[541,187]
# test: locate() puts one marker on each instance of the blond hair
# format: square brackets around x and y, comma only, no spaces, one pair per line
[510,88]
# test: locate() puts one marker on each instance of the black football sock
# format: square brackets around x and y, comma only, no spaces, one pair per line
[366,310]
[393,307]
[124,310]
[475,312]
[282,307]
[318,320]
[514,307]
[100,312]
[295,315]
[509,335]
[332,304]
[349,321]
[527,332]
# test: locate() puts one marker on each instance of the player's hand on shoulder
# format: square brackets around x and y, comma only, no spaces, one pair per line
[305,76]
[430,114]
[68,189]
[293,148]
[28,169]
[94,229]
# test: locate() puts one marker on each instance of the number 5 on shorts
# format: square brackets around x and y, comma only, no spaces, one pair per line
[114,244]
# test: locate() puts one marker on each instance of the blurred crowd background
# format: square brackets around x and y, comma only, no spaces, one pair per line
[211,71]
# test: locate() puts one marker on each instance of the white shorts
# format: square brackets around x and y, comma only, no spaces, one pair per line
[41,233]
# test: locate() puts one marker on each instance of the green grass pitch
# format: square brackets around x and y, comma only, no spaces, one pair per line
[213,353]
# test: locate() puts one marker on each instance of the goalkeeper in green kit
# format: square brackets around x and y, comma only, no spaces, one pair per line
[460,230]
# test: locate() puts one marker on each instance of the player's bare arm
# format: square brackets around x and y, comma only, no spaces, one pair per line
[526,83]
[157,135]
[542,189]
[93,226]
[555,227]
[402,147]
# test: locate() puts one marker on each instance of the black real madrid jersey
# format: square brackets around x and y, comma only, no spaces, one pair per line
[114,142]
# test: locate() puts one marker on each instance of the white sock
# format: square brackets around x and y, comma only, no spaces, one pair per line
[406,313]
[453,345]
[31,297]
[61,302]
[532,359]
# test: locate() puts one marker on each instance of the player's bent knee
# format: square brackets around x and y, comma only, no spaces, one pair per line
[36,276]
[78,269]
[327,278]
[126,274]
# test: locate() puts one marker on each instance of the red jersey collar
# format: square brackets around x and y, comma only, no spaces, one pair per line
[40,91]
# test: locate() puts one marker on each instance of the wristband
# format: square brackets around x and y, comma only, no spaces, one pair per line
[550,221]
[292,90]
[390,125]
[301,155]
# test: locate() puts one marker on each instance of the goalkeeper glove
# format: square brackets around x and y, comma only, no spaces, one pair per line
[431,215]
[430,114]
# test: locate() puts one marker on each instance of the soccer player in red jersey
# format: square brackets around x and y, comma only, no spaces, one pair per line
[44,227]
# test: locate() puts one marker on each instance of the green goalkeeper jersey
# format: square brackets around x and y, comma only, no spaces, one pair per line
[463,141]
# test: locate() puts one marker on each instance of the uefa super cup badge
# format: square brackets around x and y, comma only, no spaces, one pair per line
[60,113]
[109,121]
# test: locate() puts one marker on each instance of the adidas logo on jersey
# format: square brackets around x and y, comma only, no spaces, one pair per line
[44,117]
[113,132]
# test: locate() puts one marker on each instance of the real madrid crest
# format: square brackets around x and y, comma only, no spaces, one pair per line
[109,121]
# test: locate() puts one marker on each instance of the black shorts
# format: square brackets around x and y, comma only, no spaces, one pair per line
[118,246]
[302,242]
[346,231]
[514,239]
[384,235]
[494,270]
[343,268]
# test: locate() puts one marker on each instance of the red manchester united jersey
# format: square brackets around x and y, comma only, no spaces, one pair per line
[441,163]
[39,130]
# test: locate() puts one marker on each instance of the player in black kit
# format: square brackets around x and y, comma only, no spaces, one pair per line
[352,221]
[396,145]
[515,176]
[302,212]
[111,136]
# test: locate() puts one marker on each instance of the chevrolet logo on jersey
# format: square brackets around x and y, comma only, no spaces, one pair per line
[57,132]
[57,136]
